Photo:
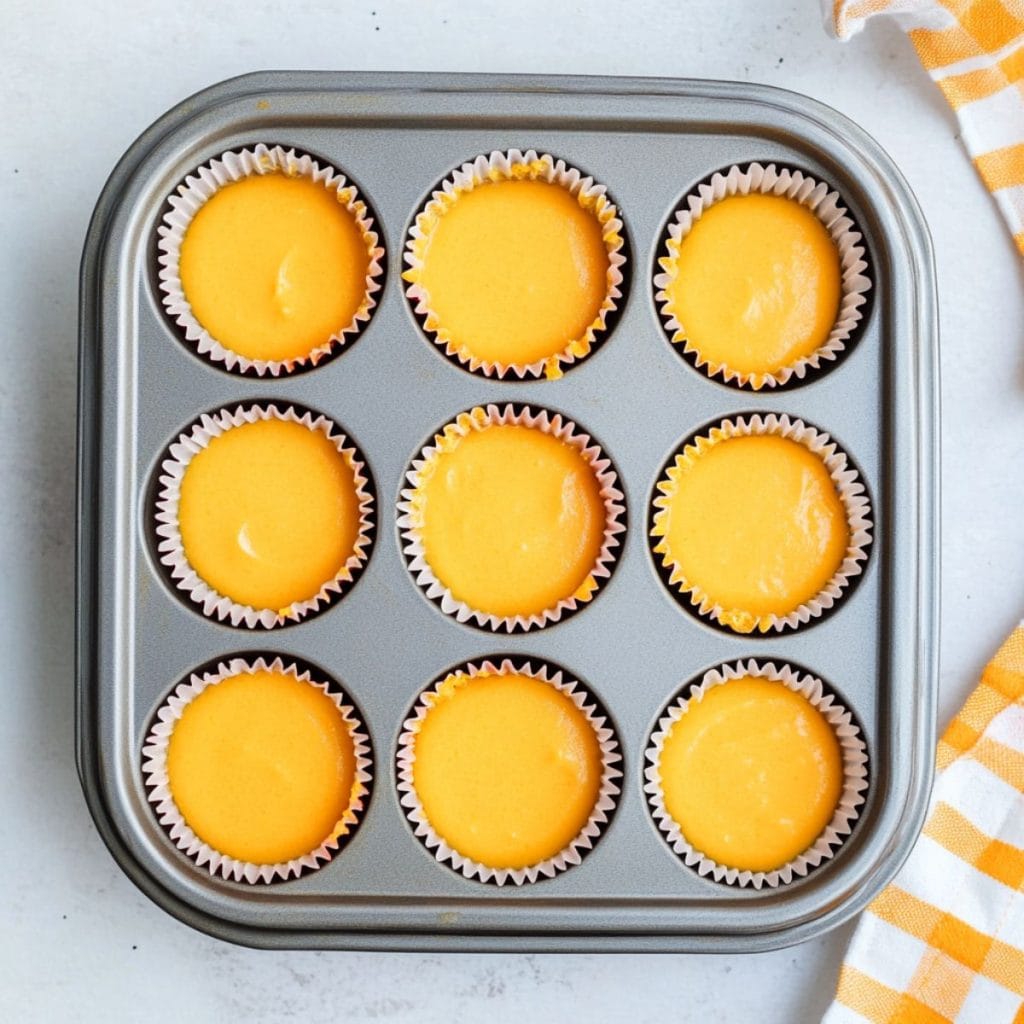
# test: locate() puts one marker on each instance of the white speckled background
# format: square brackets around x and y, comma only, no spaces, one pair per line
[78,81]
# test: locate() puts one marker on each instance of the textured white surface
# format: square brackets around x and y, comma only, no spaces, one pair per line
[79,82]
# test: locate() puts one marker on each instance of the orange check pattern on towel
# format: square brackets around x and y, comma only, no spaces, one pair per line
[945,941]
[974,50]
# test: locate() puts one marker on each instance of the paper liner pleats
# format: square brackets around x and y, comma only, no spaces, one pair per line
[158,791]
[411,514]
[515,165]
[604,805]
[852,795]
[190,197]
[827,206]
[849,487]
[170,547]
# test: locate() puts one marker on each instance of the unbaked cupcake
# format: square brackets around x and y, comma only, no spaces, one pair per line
[258,769]
[756,774]
[764,277]
[515,265]
[507,770]
[264,514]
[512,518]
[270,262]
[760,523]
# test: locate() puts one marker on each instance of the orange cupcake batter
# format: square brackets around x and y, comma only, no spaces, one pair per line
[751,774]
[755,523]
[272,266]
[269,513]
[506,767]
[515,271]
[262,767]
[512,519]
[755,284]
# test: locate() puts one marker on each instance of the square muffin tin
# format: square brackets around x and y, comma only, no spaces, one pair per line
[649,141]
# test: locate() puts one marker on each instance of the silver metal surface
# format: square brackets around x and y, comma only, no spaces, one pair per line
[649,141]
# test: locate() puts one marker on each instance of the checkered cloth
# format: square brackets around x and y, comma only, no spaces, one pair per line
[974,51]
[945,941]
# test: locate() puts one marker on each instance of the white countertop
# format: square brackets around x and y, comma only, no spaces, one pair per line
[80,81]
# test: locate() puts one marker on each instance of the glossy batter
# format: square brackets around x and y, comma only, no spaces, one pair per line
[269,513]
[273,265]
[512,520]
[507,768]
[755,523]
[262,767]
[751,774]
[515,271]
[755,284]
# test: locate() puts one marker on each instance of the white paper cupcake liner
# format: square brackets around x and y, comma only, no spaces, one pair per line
[197,189]
[516,165]
[599,817]
[410,508]
[171,550]
[154,770]
[826,205]
[851,492]
[851,798]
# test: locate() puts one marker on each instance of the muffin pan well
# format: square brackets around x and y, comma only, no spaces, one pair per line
[650,142]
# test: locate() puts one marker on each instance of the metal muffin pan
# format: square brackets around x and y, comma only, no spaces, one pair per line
[649,141]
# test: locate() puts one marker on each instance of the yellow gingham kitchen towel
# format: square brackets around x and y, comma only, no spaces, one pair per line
[974,51]
[945,941]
